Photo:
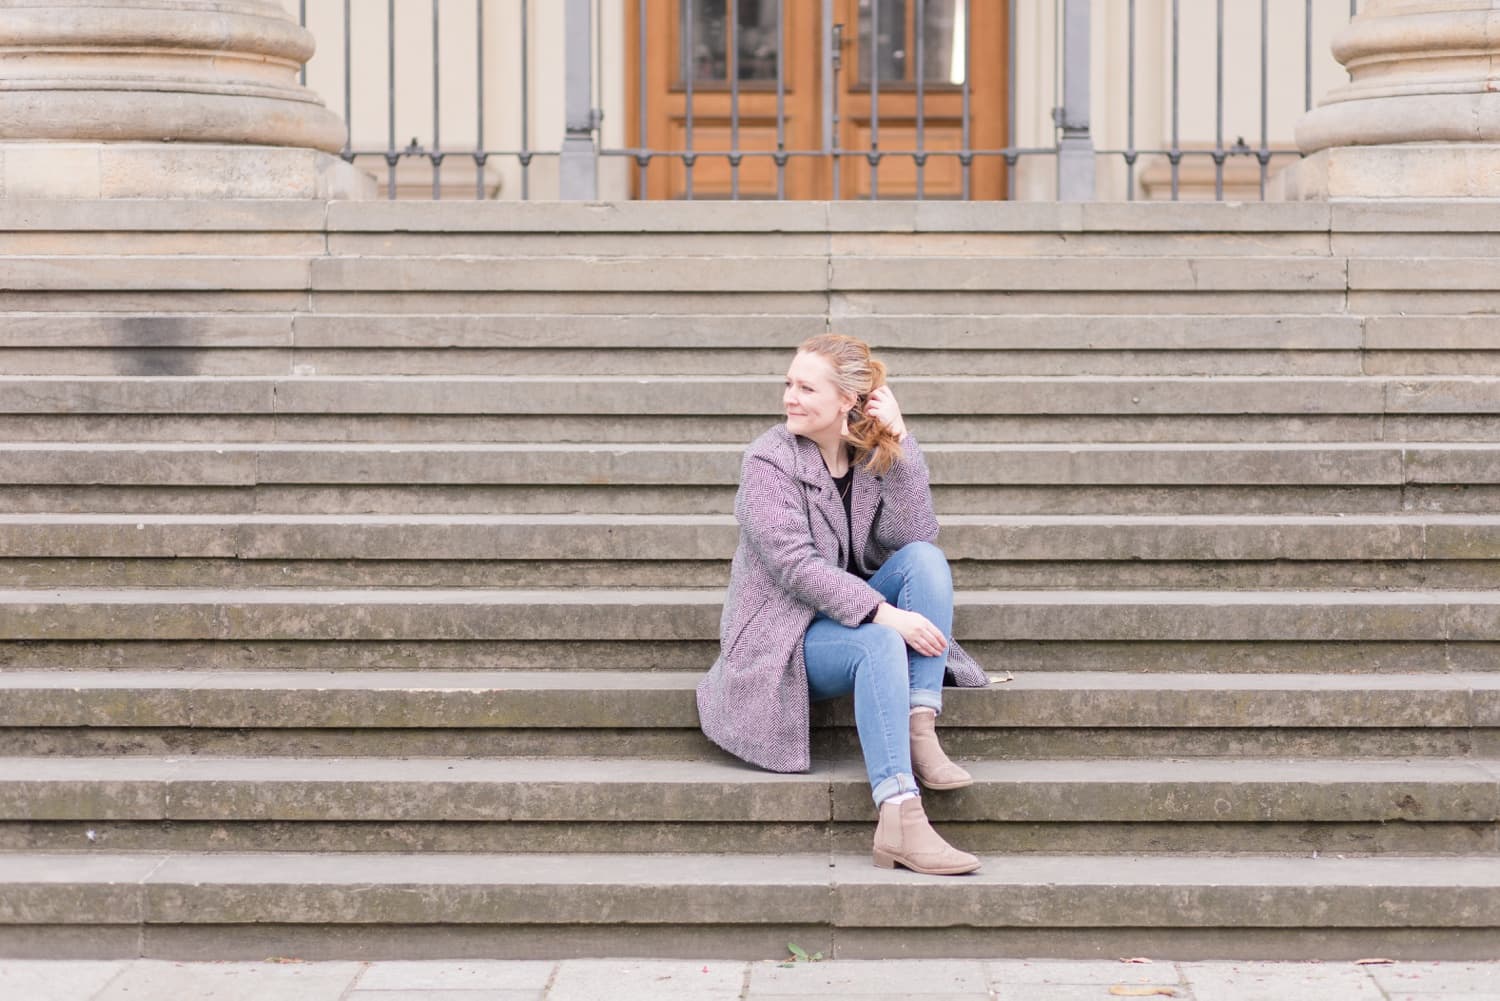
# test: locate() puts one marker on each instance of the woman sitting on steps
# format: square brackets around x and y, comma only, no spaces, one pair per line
[837,587]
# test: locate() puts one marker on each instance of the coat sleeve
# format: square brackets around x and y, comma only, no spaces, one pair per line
[906,513]
[772,513]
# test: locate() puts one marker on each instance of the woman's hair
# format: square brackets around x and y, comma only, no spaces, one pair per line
[857,373]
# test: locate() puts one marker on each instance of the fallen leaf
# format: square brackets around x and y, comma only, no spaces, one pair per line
[1138,959]
[995,679]
[1122,991]
[1375,962]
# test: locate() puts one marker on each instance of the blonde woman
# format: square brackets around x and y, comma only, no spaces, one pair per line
[836,586]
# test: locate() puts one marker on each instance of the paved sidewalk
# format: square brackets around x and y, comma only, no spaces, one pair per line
[677,980]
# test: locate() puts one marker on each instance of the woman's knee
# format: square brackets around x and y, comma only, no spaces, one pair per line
[926,560]
[884,651]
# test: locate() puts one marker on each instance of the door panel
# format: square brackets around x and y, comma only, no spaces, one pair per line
[752,35]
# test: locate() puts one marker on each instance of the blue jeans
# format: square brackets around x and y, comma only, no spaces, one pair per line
[887,677]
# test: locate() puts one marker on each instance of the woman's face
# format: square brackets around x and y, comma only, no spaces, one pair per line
[813,404]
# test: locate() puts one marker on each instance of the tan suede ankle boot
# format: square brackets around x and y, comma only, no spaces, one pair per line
[928,762]
[904,837]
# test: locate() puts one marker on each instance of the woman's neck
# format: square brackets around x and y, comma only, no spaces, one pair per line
[835,456]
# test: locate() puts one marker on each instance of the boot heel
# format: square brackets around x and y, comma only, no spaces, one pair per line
[884,860]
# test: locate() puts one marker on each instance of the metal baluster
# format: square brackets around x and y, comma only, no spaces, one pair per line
[1130,154]
[1175,156]
[578,164]
[643,159]
[1075,147]
[833,62]
[348,153]
[391,156]
[966,157]
[874,153]
[732,43]
[1219,102]
[1264,154]
[690,70]
[525,101]
[596,35]
[437,107]
[302,20]
[780,100]
[1307,56]
[921,33]
[479,154]
[1012,158]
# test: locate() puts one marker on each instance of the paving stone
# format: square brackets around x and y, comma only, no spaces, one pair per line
[290,981]
[1089,992]
[916,978]
[633,980]
[51,980]
[1078,972]
[1277,982]
[393,975]
[439,994]
[1456,978]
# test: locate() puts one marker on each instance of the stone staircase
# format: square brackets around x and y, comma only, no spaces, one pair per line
[357,563]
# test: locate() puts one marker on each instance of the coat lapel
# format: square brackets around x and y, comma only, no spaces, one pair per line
[866,499]
[820,490]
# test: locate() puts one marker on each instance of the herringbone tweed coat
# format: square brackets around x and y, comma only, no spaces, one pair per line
[787,567]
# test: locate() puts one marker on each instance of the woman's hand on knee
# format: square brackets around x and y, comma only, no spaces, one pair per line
[915,628]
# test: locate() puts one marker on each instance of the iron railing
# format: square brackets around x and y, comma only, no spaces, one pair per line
[581,148]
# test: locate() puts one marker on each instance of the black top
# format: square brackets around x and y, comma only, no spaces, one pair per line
[845,486]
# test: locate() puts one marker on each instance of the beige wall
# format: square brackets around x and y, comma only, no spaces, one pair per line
[1036,73]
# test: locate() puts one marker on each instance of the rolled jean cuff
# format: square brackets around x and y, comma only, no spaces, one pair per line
[925,698]
[898,783]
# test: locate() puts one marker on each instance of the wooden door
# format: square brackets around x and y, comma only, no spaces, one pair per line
[743,36]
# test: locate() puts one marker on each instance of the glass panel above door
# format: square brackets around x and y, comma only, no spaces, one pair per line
[706,22]
[943,35]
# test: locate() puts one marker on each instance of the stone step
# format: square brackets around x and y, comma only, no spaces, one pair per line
[665,616]
[1412,536]
[679,337]
[624,714]
[230,790]
[690,464]
[1115,552]
[323,905]
[737,430]
[694,396]
[736,270]
[675,498]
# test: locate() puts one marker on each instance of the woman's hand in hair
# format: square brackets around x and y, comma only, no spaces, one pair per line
[915,628]
[882,407]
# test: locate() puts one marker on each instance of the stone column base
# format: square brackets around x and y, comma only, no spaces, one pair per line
[1406,170]
[42,169]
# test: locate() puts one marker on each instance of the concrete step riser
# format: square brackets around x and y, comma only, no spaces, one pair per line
[1374,465]
[1224,657]
[671,616]
[666,499]
[1123,574]
[974,540]
[1100,804]
[630,838]
[356,361]
[740,430]
[998,743]
[752,396]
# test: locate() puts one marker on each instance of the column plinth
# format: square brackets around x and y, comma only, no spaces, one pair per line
[1420,116]
[163,98]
